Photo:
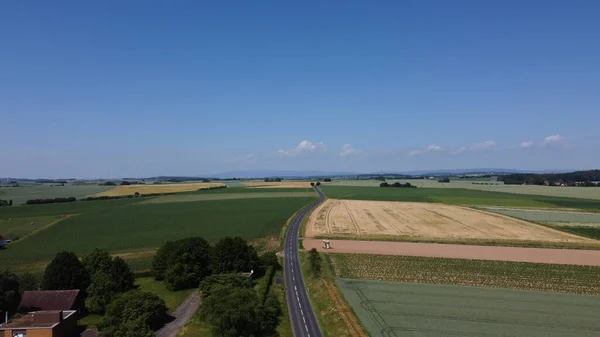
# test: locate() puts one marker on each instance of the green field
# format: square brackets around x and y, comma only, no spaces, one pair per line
[122,226]
[21,227]
[548,215]
[396,309]
[457,196]
[479,273]
[227,196]
[493,186]
[26,192]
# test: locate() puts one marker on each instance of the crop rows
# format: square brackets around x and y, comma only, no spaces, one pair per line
[479,273]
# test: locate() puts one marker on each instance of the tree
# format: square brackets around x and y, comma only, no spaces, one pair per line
[235,311]
[234,255]
[138,308]
[10,297]
[125,183]
[162,257]
[29,282]
[10,202]
[122,275]
[230,280]
[318,183]
[384,185]
[194,256]
[135,328]
[312,184]
[315,262]
[101,292]
[65,272]
[97,260]
[109,277]
[327,180]
[444,180]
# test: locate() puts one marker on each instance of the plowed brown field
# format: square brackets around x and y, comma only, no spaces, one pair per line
[424,220]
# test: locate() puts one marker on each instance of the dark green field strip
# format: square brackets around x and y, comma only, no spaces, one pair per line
[251,190]
[496,274]
[131,227]
[456,196]
[548,216]
[442,310]
[589,232]
[226,196]
[76,207]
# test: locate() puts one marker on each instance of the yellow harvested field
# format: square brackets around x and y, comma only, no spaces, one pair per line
[282,184]
[159,188]
[424,220]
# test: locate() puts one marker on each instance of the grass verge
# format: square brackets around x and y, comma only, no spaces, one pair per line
[172,298]
[478,273]
[335,316]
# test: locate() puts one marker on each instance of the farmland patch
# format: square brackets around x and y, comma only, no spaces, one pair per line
[19,195]
[158,188]
[395,309]
[479,273]
[133,227]
[363,219]
[282,184]
[226,196]
[458,196]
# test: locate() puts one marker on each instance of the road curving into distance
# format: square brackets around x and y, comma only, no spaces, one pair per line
[302,316]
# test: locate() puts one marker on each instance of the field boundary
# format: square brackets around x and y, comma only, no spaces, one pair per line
[476,242]
[36,231]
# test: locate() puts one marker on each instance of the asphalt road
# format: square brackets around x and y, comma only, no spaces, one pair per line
[304,322]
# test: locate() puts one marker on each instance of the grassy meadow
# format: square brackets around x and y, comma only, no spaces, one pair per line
[457,196]
[395,309]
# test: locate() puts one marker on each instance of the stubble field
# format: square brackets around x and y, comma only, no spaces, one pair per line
[363,219]
[158,188]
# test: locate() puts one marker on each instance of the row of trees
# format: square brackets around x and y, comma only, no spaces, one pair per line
[5,202]
[273,180]
[314,260]
[318,183]
[578,178]
[397,184]
[49,201]
[444,180]
[184,263]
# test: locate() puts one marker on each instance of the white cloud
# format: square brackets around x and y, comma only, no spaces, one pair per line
[435,148]
[488,144]
[526,145]
[305,146]
[460,150]
[415,153]
[553,140]
[347,150]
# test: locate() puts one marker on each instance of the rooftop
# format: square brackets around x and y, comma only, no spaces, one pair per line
[48,300]
[27,321]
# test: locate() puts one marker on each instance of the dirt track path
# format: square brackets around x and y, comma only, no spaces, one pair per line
[182,314]
[536,255]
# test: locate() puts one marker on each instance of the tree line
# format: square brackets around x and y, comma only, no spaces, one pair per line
[589,178]
[49,201]
[273,180]
[397,185]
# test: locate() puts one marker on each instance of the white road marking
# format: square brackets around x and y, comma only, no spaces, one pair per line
[295,288]
[303,319]
[300,304]
[293,278]
[306,327]
[302,312]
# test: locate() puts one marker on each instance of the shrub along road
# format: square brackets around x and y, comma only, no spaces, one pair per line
[302,316]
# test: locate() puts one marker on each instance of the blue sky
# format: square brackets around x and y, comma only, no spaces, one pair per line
[127,88]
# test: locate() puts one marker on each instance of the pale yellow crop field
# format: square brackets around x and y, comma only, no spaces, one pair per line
[159,188]
[424,220]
